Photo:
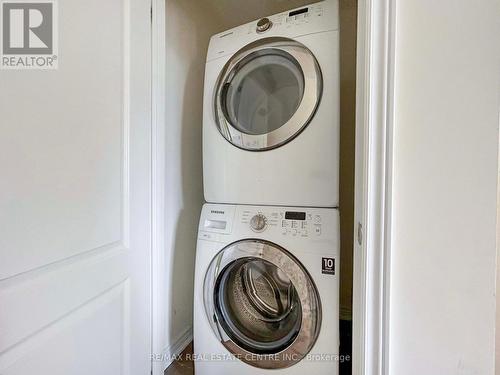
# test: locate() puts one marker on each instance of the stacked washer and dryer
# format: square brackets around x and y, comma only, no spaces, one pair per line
[267,280]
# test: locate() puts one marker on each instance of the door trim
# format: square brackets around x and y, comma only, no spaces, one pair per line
[159,355]
[373,185]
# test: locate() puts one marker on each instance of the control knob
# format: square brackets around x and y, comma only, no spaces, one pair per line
[264,24]
[258,223]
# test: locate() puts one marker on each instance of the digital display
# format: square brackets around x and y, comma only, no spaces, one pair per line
[290,215]
[298,11]
[215,224]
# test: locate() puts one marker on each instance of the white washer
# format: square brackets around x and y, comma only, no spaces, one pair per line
[271,110]
[266,293]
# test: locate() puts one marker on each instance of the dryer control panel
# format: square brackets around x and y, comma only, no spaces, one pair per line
[288,19]
[311,19]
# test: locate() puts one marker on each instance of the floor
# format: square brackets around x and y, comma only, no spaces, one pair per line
[183,365]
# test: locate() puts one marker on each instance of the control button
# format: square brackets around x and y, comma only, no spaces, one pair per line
[294,232]
[317,229]
[264,24]
[258,223]
[272,222]
[304,224]
[284,223]
[207,236]
[295,224]
[304,233]
[317,219]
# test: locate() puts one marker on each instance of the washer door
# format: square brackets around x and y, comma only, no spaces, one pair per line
[262,304]
[267,94]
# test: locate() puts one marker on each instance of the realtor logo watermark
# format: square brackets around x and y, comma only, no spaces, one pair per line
[29,34]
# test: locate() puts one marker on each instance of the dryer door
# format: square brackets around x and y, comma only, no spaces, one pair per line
[262,304]
[267,94]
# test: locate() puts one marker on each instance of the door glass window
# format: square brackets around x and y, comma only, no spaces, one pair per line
[258,306]
[264,92]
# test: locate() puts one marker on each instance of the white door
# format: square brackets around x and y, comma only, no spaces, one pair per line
[75,172]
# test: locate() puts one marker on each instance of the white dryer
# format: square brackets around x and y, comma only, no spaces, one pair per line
[266,297]
[271,110]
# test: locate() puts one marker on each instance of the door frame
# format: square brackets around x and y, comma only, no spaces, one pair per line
[158,212]
[373,185]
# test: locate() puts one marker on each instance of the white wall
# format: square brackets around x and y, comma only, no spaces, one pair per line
[189,27]
[442,300]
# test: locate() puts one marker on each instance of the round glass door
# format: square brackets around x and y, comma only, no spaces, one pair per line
[267,94]
[262,304]
[258,306]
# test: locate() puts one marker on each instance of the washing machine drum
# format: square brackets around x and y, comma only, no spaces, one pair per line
[262,304]
[267,94]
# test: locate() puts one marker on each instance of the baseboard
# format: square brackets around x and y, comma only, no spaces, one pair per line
[177,346]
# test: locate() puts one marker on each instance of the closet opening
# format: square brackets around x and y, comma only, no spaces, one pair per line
[189,26]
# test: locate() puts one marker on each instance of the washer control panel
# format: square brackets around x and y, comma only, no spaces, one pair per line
[288,223]
[227,223]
